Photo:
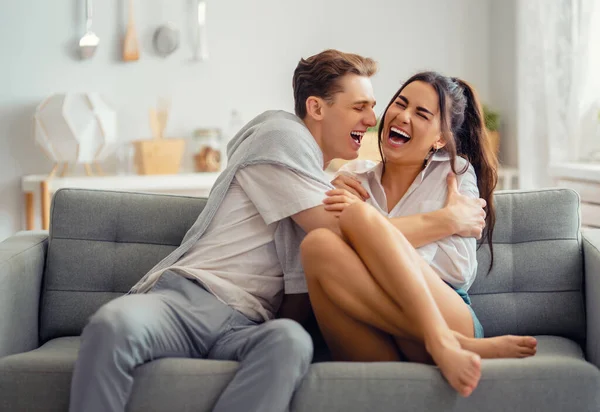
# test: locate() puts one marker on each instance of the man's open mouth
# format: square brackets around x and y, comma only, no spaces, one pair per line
[398,137]
[357,136]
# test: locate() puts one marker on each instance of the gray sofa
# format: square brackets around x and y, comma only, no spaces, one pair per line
[545,282]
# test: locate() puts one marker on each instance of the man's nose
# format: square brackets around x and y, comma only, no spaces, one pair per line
[371,119]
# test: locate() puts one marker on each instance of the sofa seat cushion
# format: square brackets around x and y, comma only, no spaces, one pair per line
[557,378]
[40,380]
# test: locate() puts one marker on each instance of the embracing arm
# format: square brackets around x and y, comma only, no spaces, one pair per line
[462,215]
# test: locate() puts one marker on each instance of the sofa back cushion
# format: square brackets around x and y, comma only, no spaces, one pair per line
[536,283]
[101,243]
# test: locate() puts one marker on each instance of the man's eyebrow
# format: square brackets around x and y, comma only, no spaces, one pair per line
[419,108]
[371,102]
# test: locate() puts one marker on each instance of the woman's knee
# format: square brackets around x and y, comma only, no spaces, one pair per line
[354,215]
[318,249]
[315,242]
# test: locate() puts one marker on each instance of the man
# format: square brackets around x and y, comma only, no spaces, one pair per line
[216,295]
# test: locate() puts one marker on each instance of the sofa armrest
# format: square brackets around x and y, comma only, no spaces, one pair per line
[22,259]
[591,254]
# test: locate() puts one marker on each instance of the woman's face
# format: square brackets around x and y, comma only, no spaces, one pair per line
[412,125]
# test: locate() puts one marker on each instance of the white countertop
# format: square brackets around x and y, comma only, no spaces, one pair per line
[576,171]
[175,182]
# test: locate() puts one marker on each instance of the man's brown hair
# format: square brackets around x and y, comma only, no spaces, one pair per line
[319,75]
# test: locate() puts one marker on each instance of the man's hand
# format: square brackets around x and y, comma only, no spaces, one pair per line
[339,199]
[467,213]
[350,184]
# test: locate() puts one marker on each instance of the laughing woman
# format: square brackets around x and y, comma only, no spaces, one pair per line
[379,297]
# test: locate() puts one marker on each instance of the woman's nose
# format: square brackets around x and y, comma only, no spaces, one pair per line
[404,117]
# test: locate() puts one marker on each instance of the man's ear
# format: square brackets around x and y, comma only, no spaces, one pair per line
[314,107]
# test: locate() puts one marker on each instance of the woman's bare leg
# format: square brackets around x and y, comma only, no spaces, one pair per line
[347,338]
[506,346]
[366,301]
[330,261]
[411,284]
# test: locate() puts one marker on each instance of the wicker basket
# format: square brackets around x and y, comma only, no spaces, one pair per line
[158,156]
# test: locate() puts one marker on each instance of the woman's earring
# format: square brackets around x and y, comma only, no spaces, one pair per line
[431,153]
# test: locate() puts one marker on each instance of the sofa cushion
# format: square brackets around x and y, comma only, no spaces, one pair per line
[40,381]
[557,378]
[536,284]
[101,243]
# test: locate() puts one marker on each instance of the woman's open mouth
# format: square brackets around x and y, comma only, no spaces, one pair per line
[398,137]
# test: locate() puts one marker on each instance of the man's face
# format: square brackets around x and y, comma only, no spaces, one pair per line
[346,120]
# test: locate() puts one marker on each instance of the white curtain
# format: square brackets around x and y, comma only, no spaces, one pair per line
[558,80]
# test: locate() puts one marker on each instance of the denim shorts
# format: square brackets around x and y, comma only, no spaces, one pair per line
[477,326]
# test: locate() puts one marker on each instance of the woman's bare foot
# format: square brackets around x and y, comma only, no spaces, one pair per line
[507,346]
[460,367]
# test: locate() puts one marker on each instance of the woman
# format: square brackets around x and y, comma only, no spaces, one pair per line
[374,295]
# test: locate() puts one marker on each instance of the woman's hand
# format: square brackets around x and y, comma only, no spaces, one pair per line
[339,199]
[350,184]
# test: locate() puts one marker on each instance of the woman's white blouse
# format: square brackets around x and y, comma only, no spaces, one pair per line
[453,258]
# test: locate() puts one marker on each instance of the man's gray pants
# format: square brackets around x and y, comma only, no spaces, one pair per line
[178,318]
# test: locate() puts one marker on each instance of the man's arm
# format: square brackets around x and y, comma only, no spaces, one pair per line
[419,230]
[461,215]
[426,228]
[316,218]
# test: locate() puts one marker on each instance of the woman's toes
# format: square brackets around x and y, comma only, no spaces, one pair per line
[466,390]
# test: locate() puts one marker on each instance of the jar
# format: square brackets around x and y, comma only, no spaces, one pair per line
[207,157]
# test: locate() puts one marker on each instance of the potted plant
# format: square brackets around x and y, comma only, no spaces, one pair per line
[492,124]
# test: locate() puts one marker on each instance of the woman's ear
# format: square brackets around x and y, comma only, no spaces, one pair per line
[314,107]
[439,143]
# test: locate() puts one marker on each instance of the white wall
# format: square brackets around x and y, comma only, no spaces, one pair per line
[254,46]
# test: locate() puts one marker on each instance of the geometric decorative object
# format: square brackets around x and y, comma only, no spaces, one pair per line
[76,128]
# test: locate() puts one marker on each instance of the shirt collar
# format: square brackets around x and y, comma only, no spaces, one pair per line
[440,156]
[377,168]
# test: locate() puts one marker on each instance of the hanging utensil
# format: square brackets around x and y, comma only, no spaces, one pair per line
[131,50]
[166,39]
[201,52]
[89,42]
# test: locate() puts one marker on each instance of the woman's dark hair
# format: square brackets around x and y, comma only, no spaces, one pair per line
[465,135]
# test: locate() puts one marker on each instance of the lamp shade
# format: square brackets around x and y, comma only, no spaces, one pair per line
[76,127]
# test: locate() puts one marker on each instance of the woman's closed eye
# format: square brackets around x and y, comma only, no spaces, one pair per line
[419,113]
